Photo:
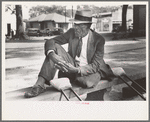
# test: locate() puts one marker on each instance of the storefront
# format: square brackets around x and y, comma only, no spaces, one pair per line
[104,22]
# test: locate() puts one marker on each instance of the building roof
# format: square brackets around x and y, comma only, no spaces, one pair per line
[50,17]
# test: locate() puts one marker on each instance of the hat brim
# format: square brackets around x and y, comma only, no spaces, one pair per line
[78,22]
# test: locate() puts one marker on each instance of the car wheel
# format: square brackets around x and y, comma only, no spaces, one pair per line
[50,34]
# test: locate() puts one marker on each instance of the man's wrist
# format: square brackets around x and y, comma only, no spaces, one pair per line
[79,71]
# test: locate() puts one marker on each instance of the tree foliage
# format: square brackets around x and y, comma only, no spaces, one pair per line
[11,8]
[38,10]
[96,9]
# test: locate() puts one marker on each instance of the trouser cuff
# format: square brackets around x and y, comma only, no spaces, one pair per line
[45,77]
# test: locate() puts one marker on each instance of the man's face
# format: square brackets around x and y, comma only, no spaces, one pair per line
[80,30]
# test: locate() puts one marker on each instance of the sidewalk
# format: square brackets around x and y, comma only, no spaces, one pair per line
[24,60]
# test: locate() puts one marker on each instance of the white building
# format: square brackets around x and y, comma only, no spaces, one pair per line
[9,19]
[106,22]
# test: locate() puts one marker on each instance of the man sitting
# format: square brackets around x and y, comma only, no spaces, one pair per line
[83,64]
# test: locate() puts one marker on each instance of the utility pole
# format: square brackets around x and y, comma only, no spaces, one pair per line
[65,14]
[72,16]
[72,11]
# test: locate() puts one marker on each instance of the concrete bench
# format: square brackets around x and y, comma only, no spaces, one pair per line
[52,94]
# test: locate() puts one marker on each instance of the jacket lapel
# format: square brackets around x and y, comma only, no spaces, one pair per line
[90,47]
[74,45]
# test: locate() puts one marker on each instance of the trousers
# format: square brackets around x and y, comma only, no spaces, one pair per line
[48,70]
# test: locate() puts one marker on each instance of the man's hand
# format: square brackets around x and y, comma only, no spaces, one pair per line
[61,64]
[69,67]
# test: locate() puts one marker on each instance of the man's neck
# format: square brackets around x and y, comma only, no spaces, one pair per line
[84,34]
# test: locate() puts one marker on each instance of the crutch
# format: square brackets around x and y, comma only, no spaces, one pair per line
[120,72]
[62,84]
[62,91]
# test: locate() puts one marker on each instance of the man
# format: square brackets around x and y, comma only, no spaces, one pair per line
[83,64]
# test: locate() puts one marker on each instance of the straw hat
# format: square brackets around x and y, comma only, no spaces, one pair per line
[82,16]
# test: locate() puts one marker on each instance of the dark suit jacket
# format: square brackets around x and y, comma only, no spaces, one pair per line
[95,51]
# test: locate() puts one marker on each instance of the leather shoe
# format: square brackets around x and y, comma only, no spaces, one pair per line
[35,91]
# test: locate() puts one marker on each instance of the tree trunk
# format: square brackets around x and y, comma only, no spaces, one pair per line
[19,23]
[124,14]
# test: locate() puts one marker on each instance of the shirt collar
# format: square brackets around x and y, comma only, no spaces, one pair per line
[86,36]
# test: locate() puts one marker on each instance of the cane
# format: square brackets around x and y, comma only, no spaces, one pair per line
[120,72]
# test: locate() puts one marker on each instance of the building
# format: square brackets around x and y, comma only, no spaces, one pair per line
[117,17]
[10,23]
[102,22]
[50,21]
[106,22]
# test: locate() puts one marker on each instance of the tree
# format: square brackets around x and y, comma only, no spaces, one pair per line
[11,8]
[124,14]
[38,10]
[17,10]
[19,23]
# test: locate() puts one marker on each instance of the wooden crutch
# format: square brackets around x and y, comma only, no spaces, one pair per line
[120,72]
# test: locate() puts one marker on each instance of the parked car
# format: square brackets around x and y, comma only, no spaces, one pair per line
[116,29]
[45,32]
[56,31]
[33,32]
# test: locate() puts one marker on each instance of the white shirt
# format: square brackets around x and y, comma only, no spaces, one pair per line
[83,56]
